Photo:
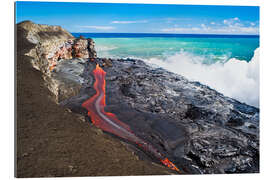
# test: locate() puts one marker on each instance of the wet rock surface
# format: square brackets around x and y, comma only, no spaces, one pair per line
[196,127]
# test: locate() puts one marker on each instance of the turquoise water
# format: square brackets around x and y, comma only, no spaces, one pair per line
[228,64]
[211,50]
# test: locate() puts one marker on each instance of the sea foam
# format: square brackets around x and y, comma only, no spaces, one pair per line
[238,79]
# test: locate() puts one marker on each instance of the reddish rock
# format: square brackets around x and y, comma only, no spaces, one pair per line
[53,43]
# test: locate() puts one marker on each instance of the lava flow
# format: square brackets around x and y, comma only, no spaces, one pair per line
[109,122]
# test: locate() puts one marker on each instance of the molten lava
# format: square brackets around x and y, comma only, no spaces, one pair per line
[109,122]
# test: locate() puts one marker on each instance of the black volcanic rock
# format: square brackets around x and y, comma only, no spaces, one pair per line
[196,127]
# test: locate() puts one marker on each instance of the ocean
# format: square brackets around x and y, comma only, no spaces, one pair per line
[226,63]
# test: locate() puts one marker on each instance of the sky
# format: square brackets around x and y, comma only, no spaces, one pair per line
[142,18]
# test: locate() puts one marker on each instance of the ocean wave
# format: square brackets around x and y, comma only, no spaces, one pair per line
[235,78]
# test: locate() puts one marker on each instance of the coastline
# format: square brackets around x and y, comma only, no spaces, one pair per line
[54,142]
[196,111]
[134,35]
[230,69]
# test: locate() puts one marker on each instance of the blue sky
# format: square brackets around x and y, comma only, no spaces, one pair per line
[142,18]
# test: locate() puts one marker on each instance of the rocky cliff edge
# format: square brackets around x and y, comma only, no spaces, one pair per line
[198,128]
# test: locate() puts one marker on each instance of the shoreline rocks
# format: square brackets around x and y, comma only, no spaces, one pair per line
[196,127]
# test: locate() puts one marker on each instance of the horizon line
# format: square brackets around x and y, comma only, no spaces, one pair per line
[166,33]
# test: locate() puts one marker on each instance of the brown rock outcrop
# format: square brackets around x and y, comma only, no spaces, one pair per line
[57,54]
[54,43]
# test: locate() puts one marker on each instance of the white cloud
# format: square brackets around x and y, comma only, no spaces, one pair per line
[195,29]
[99,27]
[229,26]
[236,28]
[204,26]
[231,21]
[129,22]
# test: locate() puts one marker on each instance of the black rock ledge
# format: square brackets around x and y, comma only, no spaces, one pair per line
[196,127]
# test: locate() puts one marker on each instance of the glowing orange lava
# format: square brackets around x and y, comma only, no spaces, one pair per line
[169,164]
[110,123]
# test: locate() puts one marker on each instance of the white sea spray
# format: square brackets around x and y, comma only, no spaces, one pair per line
[197,60]
[238,79]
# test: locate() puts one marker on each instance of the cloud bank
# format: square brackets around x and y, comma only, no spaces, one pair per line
[227,26]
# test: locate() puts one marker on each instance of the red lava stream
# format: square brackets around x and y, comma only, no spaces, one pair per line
[109,122]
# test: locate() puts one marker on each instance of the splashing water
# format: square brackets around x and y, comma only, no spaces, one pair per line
[235,78]
[228,65]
